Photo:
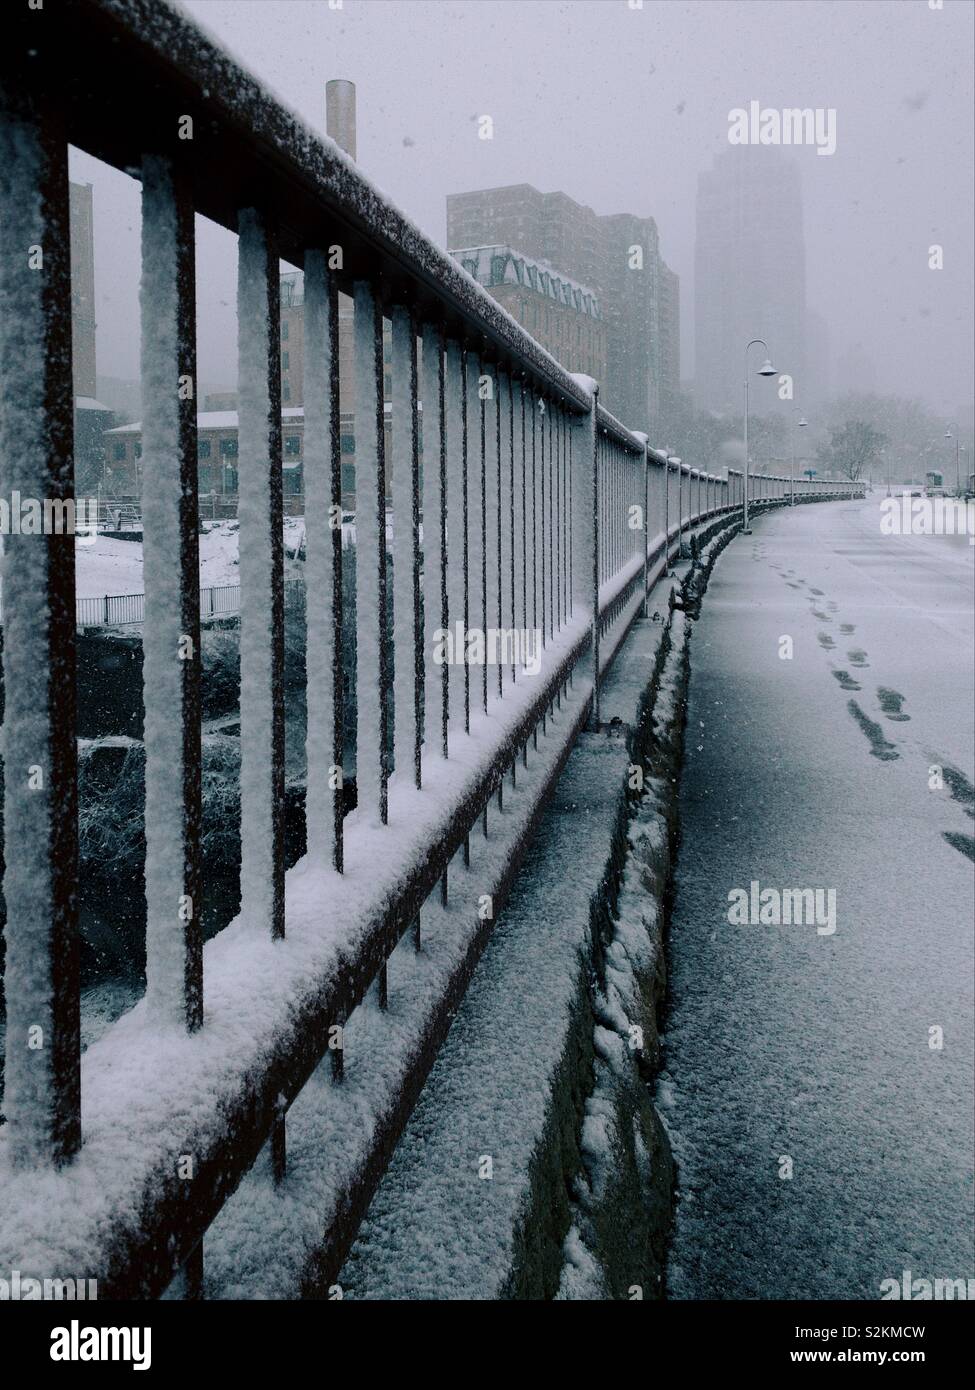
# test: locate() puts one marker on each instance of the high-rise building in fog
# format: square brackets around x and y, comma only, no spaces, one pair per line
[818,385]
[617,257]
[749,272]
[669,291]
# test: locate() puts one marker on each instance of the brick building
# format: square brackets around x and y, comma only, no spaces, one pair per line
[561,314]
[618,256]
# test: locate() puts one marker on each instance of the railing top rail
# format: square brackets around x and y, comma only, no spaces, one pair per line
[248,149]
[635,443]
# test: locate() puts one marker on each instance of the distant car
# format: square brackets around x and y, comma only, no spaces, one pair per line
[937,492]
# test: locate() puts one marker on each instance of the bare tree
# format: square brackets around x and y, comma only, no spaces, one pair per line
[851,448]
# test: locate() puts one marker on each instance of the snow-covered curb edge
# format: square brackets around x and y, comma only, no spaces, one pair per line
[622,1196]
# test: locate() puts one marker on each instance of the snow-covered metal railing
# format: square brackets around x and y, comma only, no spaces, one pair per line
[541,516]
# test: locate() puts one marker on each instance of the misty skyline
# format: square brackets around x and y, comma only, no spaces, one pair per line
[622,109]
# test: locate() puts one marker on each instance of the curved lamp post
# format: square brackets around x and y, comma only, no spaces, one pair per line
[766,369]
[801,424]
[949,435]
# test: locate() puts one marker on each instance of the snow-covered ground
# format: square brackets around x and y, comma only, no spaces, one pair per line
[784,1043]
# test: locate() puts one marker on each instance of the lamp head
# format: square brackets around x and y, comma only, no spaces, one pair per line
[766,369]
[803,422]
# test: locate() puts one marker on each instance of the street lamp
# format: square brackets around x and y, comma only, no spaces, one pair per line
[949,435]
[766,369]
[801,424]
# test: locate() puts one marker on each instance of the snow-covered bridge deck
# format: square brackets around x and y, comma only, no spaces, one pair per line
[819,1076]
[118,1162]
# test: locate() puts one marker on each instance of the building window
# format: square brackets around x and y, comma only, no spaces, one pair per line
[228,448]
[286,392]
[285,326]
[285,360]
[348,477]
[348,443]
[138,450]
[292,444]
[118,452]
[203,449]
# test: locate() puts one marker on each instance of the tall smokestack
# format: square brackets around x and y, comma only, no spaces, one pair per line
[340,114]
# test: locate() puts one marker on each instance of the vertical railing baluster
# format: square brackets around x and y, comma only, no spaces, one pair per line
[542,515]
[456,577]
[419,674]
[444,564]
[475,519]
[171,571]
[566,515]
[586,575]
[602,510]
[551,518]
[680,508]
[523,476]
[260,512]
[42,1097]
[433,578]
[372,692]
[646,528]
[407,657]
[557,519]
[469,412]
[570,527]
[504,512]
[484,543]
[510,514]
[492,515]
[532,495]
[324,752]
[617,504]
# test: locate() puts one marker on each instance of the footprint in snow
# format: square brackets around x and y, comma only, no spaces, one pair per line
[890,703]
[879,746]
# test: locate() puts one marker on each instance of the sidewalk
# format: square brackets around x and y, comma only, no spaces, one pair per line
[786,1042]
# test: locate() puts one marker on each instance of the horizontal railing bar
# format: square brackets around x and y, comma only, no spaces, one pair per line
[612,427]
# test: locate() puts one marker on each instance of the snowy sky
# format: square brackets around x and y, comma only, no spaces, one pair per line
[621,109]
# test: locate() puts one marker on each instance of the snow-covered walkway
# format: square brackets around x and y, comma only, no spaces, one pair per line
[844,1058]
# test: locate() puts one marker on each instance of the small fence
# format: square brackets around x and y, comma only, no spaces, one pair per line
[216,601]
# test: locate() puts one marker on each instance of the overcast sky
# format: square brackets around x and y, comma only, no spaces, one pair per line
[621,108]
